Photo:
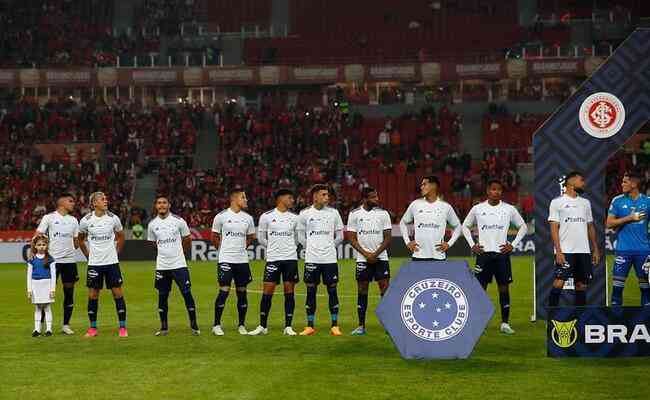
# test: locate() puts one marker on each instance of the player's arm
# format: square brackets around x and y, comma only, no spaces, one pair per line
[82,243]
[351,236]
[262,232]
[119,234]
[216,232]
[613,220]
[52,279]
[516,220]
[468,223]
[407,218]
[250,235]
[186,237]
[301,231]
[454,222]
[338,229]
[187,243]
[554,224]
[591,232]
[387,238]
[75,236]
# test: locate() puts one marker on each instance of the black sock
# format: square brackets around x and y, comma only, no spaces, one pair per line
[120,307]
[504,301]
[93,305]
[190,306]
[219,304]
[362,306]
[242,307]
[163,309]
[265,307]
[310,305]
[289,307]
[581,298]
[554,298]
[333,304]
[68,304]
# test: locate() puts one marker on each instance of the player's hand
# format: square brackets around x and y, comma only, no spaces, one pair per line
[413,246]
[443,247]
[29,294]
[637,216]
[52,294]
[371,258]
[506,248]
[30,255]
[477,249]
[559,259]
[595,257]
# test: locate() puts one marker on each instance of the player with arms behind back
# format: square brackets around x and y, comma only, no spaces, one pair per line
[572,229]
[430,216]
[628,214]
[492,219]
[103,230]
[233,230]
[171,235]
[369,232]
[277,232]
[320,230]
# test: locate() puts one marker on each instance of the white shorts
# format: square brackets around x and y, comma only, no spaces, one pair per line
[41,291]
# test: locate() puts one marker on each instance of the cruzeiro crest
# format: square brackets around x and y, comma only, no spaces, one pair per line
[435,309]
[564,334]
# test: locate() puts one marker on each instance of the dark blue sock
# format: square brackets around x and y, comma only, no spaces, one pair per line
[617,295]
[68,304]
[289,307]
[333,304]
[190,306]
[219,304]
[242,306]
[93,305]
[163,309]
[362,306]
[310,305]
[120,307]
[265,308]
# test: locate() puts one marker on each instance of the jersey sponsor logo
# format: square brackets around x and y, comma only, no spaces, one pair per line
[435,309]
[162,242]
[602,115]
[319,233]
[564,333]
[429,225]
[575,220]
[235,234]
[61,235]
[281,233]
[369,232]
[492,227]
[100,238]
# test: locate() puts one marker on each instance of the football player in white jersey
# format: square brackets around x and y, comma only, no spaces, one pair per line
[369,232]
[492,219]
[62,230]
[277,232]
[430,216]
[105,235]
[171,236]
[320,231]
[572,229]
[233,230]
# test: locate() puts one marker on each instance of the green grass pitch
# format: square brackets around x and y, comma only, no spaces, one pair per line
[277,367]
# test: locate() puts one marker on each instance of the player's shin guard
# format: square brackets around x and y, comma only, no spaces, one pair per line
[93,305]
[504,301]
[362,306]
[68,304]
[242,307]
[219,304]
[554,298]
[120,307]
[310,305]
[265,307]
[289,307]
[581,298]
[333,304]
[190,306]
[163,308]
[618,284]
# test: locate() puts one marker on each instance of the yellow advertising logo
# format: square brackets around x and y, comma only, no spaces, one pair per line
[564,334]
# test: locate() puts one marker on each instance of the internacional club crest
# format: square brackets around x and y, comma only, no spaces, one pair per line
[435,309]
[602,115]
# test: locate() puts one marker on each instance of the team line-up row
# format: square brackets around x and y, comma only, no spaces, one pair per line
[318,229]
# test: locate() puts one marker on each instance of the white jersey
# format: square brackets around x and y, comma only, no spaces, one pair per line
[492,223]
[430,224]
[168,234]
[320,227]
[278,229]
[101,237]
[233,228]
[369,227]
[573,215]
[61,230]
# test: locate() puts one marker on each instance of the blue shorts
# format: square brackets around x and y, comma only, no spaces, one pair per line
[285,269]
[328,273]
[97,275]
[497,265]
[623,263]
[165,277]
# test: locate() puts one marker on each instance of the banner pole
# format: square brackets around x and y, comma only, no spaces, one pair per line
[533,318]
[606,282]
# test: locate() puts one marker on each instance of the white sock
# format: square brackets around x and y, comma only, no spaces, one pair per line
[37,318]
[48,317]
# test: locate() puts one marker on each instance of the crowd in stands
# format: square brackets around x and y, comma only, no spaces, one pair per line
[133,139]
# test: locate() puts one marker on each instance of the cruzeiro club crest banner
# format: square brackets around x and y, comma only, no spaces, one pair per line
[435,310]
[598,332]
[582,135]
